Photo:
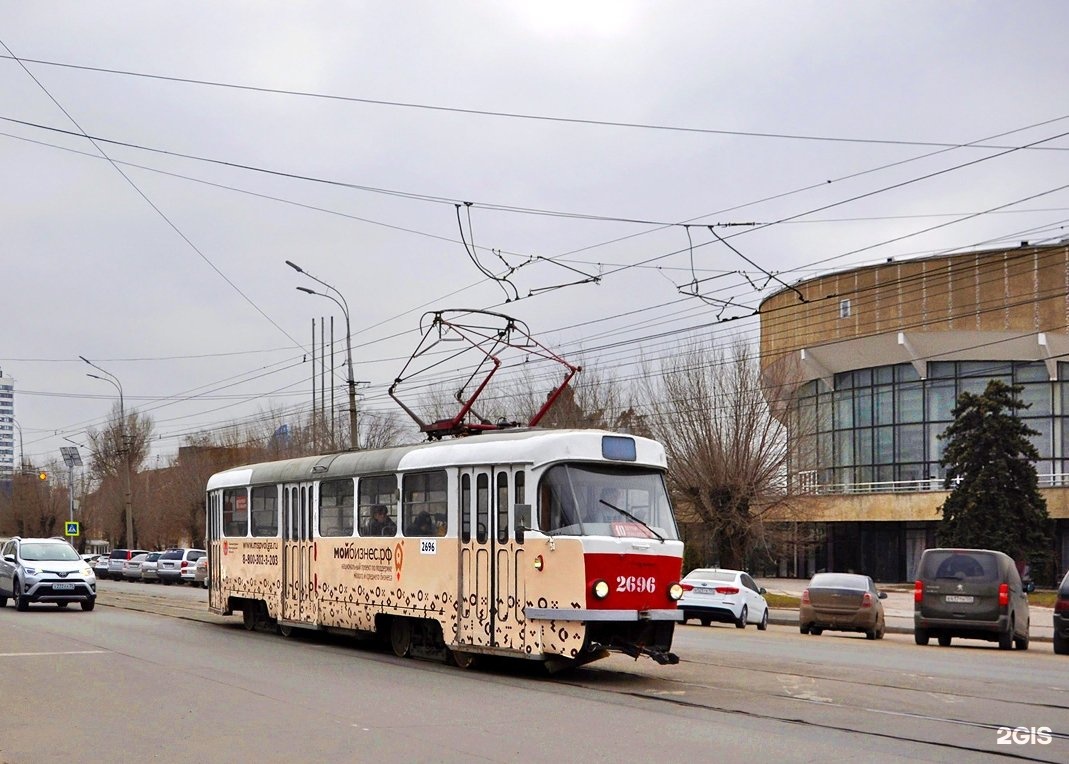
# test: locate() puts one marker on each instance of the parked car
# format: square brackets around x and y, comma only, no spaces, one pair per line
[118,559]
[970,593]
[44,570]
[131,569]
[1061,618]
[842,602]
[90,559]
[100,567]
[200,572]
[148,568]
[727,596]
[176,565]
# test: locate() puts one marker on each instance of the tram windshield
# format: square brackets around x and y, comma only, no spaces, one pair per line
[605,500]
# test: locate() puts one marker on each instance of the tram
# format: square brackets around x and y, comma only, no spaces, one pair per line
[557,546]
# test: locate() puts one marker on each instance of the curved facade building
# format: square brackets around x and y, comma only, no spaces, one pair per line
[877,357]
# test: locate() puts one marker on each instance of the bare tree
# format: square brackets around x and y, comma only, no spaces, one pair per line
[118,446]
[727,454]
[36,503]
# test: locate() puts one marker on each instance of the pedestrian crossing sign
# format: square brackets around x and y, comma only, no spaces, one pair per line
[71,528]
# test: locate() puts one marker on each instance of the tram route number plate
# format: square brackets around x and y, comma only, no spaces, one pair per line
[62,586]
[959,598]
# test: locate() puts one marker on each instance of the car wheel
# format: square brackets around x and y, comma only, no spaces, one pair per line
[21,603]
[62,605]
[804,628]
[741,622]
[944,640]
[1005,640]
[704,621]
[1061,644]
[89,604]
[816,631]
[870,634]
[920,636]
[1020,643]
[764,621]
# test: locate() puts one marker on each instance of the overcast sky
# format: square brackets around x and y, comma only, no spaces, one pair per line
[342,136]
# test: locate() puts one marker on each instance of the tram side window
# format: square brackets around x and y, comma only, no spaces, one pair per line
[502,507]
[482,507]
[235,512]
[336,502]
[424,505]
[379,491]
[265,510]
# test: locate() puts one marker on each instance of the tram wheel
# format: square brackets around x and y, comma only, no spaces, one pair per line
[461,659]
[248,618]
[400,636]
[285,630]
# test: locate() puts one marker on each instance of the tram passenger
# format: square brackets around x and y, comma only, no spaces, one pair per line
[381,524]
[422,525]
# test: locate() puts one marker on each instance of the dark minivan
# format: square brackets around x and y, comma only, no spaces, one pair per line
[970,593]
[1061,618]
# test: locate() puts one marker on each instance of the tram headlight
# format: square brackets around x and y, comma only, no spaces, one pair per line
[538,562]
[675,591]
[600,588]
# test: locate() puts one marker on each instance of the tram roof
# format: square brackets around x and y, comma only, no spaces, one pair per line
[520,446]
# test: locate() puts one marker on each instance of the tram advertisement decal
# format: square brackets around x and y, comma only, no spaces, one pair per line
[373,563]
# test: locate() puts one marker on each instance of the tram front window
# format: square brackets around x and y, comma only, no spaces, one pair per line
[599,500]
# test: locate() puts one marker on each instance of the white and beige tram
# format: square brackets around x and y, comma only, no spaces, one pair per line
[551,545]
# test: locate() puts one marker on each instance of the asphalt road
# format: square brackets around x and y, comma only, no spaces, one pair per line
[151,675]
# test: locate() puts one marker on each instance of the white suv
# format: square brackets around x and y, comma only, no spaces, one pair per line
[45,570]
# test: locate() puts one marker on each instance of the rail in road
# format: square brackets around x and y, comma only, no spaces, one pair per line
[970,702]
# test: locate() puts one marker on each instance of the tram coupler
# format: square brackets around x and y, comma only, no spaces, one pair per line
[663,657]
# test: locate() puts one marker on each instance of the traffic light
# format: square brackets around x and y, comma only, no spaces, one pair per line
[42,475]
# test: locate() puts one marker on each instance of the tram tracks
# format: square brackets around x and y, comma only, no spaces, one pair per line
[873,708]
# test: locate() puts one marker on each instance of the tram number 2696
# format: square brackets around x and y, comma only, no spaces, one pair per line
[636,584]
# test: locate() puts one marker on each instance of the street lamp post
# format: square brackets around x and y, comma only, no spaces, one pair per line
[114,381]
[22,450]
[341,303]
[72,459]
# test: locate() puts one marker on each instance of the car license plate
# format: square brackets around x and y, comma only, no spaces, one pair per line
[61,587]
[959,598]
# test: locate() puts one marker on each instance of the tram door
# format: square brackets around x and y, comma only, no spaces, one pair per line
[487,575]
[298,603]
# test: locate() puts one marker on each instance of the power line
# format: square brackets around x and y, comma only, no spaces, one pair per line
[513,115]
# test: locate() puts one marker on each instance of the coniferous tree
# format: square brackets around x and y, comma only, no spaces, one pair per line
[995,501]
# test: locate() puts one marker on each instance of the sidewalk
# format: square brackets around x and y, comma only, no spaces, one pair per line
[898,608]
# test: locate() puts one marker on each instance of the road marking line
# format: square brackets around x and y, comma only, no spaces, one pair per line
[68,652]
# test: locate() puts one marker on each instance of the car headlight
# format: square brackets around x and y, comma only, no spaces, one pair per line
[32,571]
[675,591]
[600,589]
[87,572]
